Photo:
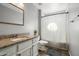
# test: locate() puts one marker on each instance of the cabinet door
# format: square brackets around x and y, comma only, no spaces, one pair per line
[8,51]
[35,50]
[12,50]
[24,45]
[26,53]
[3,52]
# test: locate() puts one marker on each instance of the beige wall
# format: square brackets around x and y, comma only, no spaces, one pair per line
[74,29]
[30,22]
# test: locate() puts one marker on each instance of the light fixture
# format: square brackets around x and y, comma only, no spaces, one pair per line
[52,27]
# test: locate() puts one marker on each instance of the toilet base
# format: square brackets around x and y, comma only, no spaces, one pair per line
[43,49]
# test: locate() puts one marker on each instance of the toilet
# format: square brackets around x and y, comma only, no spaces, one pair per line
[42,45]
[43,42]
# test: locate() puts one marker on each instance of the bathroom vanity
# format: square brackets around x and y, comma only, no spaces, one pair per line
[19,46]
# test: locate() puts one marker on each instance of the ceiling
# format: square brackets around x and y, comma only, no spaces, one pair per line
[51,7]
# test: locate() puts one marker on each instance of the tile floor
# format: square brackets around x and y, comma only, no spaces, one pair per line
[53,52]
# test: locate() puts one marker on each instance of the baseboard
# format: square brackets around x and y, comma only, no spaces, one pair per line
[58,48]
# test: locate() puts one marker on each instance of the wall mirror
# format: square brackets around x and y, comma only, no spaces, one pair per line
[11,14]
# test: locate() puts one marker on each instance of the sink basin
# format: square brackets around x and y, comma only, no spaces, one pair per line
[18,39]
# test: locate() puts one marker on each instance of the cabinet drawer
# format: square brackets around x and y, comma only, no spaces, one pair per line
[24,45]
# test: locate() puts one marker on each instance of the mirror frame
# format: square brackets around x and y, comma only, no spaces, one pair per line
[15,23]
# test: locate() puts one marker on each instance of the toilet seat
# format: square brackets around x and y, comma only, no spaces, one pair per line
[42,42]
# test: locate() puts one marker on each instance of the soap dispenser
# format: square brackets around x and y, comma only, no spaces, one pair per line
[35,32]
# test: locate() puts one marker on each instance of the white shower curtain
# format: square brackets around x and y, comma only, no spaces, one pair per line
[58,35]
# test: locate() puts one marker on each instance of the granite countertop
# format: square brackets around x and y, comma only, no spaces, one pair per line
[8,42]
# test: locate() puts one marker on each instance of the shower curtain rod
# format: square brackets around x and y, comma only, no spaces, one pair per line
[56,13]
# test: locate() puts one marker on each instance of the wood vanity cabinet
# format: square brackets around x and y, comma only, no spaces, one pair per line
[26,48]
